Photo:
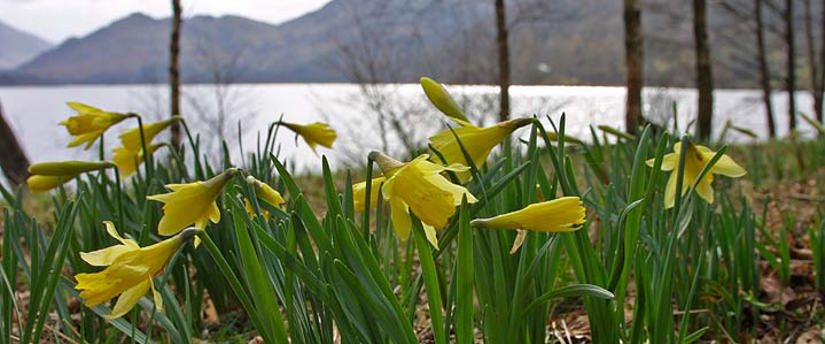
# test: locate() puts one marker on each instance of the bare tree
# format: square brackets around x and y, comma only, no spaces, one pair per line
[174,71]
[220,105]
[13,160]
[791,65]
[764,69]
[815,74]
[634,64]
[704,73]
[503,61]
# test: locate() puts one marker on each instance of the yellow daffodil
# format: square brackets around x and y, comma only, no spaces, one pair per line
[131,137]
[129,271]
[265,193]
[359,193]
[191,204]
[49,175]
[443,101]
[89,123]
[697,157]
[128,160]
[565,214]
[314,134]
[419,187]
[478,142]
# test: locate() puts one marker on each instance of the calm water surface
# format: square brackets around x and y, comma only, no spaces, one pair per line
[34,113]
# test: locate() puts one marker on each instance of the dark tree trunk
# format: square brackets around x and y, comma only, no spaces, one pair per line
[503,62]
[633,64]
[13,160]
[174,71]
[791,64]
[821,75]
[704,73]
[813,62]
[764,70]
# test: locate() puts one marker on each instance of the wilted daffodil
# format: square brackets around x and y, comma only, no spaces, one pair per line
[49,175]
[564,214]
[419,187]
[128,160]
[314,134]
[131,137]
[265,193]
[191,204]
[478,142]
[129,271]
[89,123]
[359,193]
[697,157]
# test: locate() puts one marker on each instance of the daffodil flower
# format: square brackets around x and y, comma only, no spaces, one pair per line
[49,175]
[564,214]
[697,157]
[128,160]
[359,193]
[265,193]
[314,134]
[191,204]
[478,142]
[129,271]
[89,123]
[418,187]
[131,137]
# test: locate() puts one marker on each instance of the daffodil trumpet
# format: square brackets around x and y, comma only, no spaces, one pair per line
[418,188]
[129,271]
[314,134]
[470,145]
[192,203]
[565,214]
[49,175]
[696,159]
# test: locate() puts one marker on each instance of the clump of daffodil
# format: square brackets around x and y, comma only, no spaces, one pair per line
[696,158]
[418,187]
[129,271]
[314,134]
[359,193]
[45,176]
[131,137]
[191,204]
[89,123]
[264,193]
[564,214]
[128,160]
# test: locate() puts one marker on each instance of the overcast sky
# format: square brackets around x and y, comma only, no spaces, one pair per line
[56,20]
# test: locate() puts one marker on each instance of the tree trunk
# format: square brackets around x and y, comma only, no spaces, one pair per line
[174,71]
[764,69]
[633,64]
[791,64]
[503,62]
[704,73]
[813,63]
[13,160]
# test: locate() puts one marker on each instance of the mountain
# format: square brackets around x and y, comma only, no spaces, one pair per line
[17,46]
[566,42]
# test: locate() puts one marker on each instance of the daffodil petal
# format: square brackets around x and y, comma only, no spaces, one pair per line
[401,221]
[429,232]
[128,300]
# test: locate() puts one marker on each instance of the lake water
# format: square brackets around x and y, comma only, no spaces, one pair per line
[34,113]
